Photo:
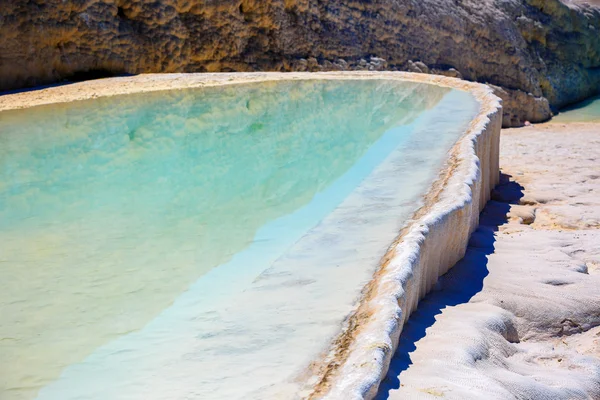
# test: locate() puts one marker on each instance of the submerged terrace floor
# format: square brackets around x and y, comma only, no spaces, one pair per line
[203,243]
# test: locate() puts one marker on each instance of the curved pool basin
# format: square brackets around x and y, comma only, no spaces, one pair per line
[203,243]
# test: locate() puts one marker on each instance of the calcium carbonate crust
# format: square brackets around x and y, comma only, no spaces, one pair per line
[431,242]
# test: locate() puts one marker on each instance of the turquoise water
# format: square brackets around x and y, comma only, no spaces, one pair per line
[586,111]
[202,243]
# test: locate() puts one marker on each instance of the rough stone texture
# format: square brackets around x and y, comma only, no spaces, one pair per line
[543,53]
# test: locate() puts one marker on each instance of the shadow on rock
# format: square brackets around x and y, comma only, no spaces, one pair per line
[457,286]
[78,76]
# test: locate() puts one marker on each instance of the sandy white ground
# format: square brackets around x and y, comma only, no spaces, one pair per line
[519,316]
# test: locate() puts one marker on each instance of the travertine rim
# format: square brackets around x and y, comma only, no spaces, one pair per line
[64,93]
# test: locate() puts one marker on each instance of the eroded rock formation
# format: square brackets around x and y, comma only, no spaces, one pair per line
[541,54]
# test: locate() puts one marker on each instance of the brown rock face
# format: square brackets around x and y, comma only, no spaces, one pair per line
[541,53]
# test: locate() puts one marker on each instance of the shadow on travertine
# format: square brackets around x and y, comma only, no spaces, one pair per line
[457,286]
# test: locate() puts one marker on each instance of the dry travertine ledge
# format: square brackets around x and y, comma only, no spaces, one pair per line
[539,53]
[432,241]
[519,316]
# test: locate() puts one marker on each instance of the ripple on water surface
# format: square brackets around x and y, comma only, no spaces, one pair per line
[202,243]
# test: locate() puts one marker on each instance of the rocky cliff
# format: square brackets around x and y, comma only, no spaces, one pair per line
[539,54]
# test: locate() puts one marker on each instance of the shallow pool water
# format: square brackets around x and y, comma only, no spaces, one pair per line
[586,111]
[207,243]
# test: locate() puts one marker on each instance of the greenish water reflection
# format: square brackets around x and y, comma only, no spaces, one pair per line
[586,111]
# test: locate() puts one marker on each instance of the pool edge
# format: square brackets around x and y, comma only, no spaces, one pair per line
[433,241]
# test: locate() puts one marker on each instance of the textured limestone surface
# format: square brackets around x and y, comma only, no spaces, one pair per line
[519,316]
[540,53]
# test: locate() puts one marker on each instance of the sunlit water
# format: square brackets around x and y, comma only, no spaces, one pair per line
[586,111]
[202,244]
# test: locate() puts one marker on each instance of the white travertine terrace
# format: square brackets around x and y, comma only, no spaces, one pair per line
[431,242]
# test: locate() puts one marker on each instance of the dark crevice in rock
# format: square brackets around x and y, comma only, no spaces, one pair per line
[91,74]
